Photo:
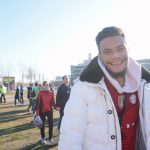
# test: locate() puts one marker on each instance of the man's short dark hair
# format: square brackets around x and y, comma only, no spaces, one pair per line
[64,77]
[107,32]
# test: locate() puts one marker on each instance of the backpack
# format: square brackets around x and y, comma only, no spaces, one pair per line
[33,94]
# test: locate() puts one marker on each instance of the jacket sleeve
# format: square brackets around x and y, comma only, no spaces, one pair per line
[73,125]
[58,97]
[38,104]
[146,114]
[53,101]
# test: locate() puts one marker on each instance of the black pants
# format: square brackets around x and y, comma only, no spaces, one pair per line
[61,113]
[21,98]
[50,123]
[2,96]
[17,98]
[29,106]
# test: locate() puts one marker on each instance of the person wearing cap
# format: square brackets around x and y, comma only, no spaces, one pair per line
[108,108]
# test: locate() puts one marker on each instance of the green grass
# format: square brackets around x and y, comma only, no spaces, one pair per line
[16,130]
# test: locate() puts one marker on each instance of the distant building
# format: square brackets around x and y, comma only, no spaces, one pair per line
[9,82]
[58,78]
[77,69]
[57,82]
[145,63]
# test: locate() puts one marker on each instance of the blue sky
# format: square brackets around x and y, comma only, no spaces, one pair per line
[54,34]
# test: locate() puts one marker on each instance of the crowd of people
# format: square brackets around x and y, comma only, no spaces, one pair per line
[42,102]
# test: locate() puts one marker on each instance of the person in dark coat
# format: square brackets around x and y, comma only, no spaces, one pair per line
[62,97]
[17,95]
[21,94]
[29,88]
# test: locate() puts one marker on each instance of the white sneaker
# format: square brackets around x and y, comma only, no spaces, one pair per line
[50,142]
[43,141]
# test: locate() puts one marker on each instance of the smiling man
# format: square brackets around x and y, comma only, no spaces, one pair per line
[107,108]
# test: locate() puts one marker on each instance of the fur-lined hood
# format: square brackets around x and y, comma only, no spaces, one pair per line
[93,73]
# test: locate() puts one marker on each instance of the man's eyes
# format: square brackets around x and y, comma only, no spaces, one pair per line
[107,52]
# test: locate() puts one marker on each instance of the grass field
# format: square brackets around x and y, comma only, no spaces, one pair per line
[16,130]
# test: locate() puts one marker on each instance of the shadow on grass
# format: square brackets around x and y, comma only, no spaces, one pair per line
[12,112]
[55,122]
[37,146]
[23,127]
[10,104]
[8,118]
[16,129]
[3,107]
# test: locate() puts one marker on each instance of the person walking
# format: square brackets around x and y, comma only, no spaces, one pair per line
[108,108]
[2,92]
[34,95]
[29,91]
[21,94]
[44,109]
[17,95]
[62,97]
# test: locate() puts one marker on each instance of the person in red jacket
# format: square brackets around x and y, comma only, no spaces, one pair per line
[44,109]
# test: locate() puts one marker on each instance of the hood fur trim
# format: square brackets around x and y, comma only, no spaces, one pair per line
[93,73]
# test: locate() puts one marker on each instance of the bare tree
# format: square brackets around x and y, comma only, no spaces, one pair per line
[1,70]
[43,78]
[29,74]
[8,71]
[22,71]
[39,77]
[34,74]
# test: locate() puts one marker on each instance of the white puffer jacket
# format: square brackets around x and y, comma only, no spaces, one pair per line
[90,119]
